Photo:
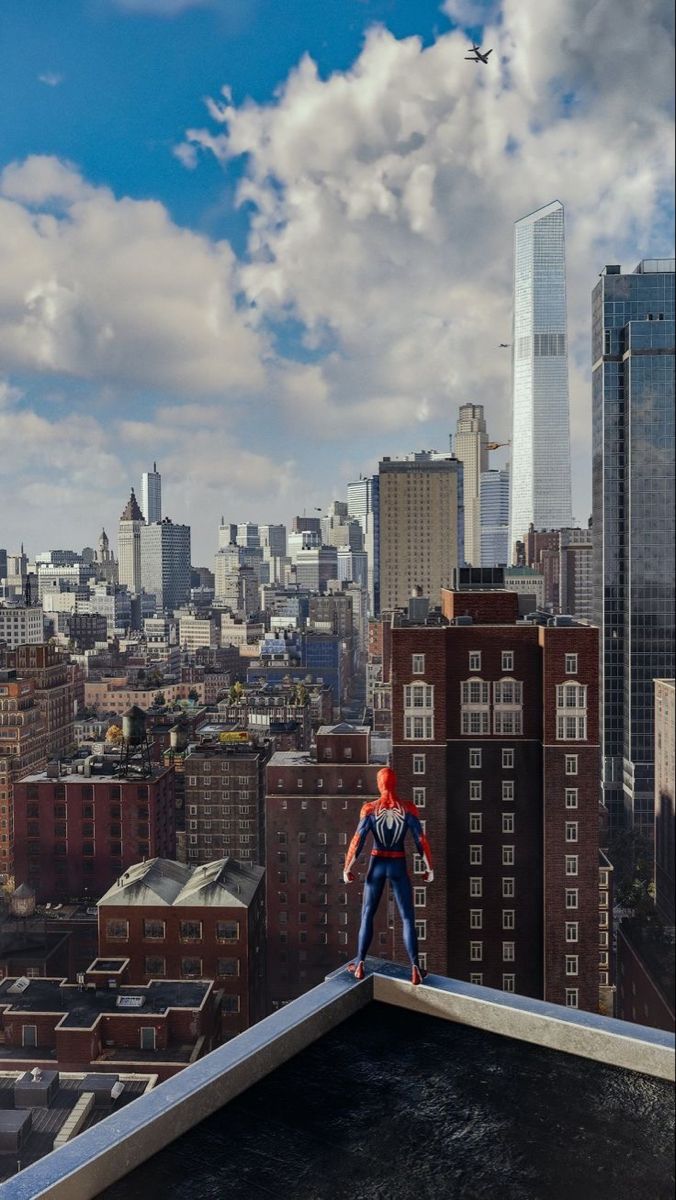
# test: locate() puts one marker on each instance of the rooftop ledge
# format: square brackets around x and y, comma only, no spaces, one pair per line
[119,1144]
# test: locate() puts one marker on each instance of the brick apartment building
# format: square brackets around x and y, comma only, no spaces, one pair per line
[79,825]
[172,921]
[495,737]
[23,748]
[224,791]
[312,809]
[104,1024]
[53,677]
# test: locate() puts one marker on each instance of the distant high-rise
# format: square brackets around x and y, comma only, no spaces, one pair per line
[248,535]
[129,545]
[421,526]
[540,477]
[633,356]
[494,497]
[151,495]
[471,447]
[165,563]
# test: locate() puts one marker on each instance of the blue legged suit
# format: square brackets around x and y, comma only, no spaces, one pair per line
[389,824]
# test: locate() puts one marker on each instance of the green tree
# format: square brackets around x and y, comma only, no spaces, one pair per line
[193,695]
[159,700]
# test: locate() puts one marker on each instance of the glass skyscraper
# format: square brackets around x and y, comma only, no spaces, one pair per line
[633,520]
[363,504]
[494,518]
[151,495]
[540,479]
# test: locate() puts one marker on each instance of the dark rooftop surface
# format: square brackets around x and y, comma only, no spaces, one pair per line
[46,1122]
[82,1008]
[394,1105]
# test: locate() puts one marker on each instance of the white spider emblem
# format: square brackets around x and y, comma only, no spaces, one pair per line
[390,825]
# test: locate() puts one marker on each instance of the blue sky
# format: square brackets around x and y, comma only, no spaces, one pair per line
[268,293]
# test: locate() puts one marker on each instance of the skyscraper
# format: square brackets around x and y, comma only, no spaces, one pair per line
[151,495]
[363,504]
[633,349]
[494,506]
[165,563]
[540,481]
[471,447]
[129,545]
[421,525]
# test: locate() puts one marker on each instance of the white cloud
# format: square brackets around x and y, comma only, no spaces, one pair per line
[161,8]
[384,199]
[51,78]
[110,289]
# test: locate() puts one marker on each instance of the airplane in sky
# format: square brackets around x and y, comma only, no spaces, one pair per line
[480,57]
[504,345]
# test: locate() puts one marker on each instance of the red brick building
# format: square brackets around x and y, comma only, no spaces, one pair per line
[313,803]
[172,921]
[103,1024]
[53,678]
[77,828]
[224,789]
[495,738]
[23,748]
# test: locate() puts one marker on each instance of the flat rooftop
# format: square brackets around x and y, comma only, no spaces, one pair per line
[376,1090]
[400,1105]
[82,1009]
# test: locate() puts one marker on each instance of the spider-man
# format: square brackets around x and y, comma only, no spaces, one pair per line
[389,819]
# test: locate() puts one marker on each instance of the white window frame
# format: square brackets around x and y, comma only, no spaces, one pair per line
[572,931]
[476,918]
[571,865]
[475,856]
[475,790]
[476,822]
[418,764]
[475,759]
[572,829]
[476,951]
[508,822]
[419,796]
[476,886]
[507,660]
[508,887]
[572,964]
[571,664]
[572,997]
[507,759]
[474,660]
[508,982]
[509,951]
[572,899]
[571,797]
[477,978]
[509,918]
[571,764]
[417,664]
[508,855]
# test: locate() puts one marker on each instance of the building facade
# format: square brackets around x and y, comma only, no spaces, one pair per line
[540,469]
[494,518]
[633,353]
[165,563]
[421,526]
[665,787]
[20,625]
[129,545]
[224,790]
[23,748]
[151,495]
[471,447]
[495,738]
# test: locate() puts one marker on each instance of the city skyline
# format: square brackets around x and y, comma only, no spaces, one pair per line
[216,347]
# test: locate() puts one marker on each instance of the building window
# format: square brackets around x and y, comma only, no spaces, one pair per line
[227,931]
[230,1005]
[227,966]
[476,918]
[508,822]
[154,964]
[508,760]
[508,789]
[190,931]
[475,856]
[508,951]
[571,764]
[571,664]
[476,886]
[419,897]
[477,978]
[507,660]
[603,918]
[475,660]
[603,899]
[571,797]
[571,897]
[603,938]
[475,789]
[508,721]
[154,930]
[508,918]
[191,968]
[509,983]
[117,930]
[571,931]
[474,691]
[417,664]
[419,797]
[418,728]
[476,951]
[571,964]
[421,930]
[571,864]
[475,822]
[571,831]
[475,760]
[571,712]
[572,997]
[418,764]
[508,887]
[508,856]
[475,721]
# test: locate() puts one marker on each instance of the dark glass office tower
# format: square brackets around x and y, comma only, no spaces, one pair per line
[633,503]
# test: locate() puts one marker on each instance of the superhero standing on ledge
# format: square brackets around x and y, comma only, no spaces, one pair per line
[389,819]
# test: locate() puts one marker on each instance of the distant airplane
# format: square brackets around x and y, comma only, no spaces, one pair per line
[476,50]
[504,345]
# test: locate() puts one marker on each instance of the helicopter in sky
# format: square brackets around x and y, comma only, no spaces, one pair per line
[480,56]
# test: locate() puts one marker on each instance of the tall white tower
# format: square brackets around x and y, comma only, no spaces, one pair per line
[129,544]
[471,447]
[540,475]
[151,495]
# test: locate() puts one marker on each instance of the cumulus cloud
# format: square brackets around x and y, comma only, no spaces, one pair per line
[110,289]
[384,199]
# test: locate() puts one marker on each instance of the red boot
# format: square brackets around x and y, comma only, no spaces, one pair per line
[417,975]
[359,971]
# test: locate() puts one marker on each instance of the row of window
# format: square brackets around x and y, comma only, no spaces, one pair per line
[191,968]
[476,887]
[117,930]
[507,661]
